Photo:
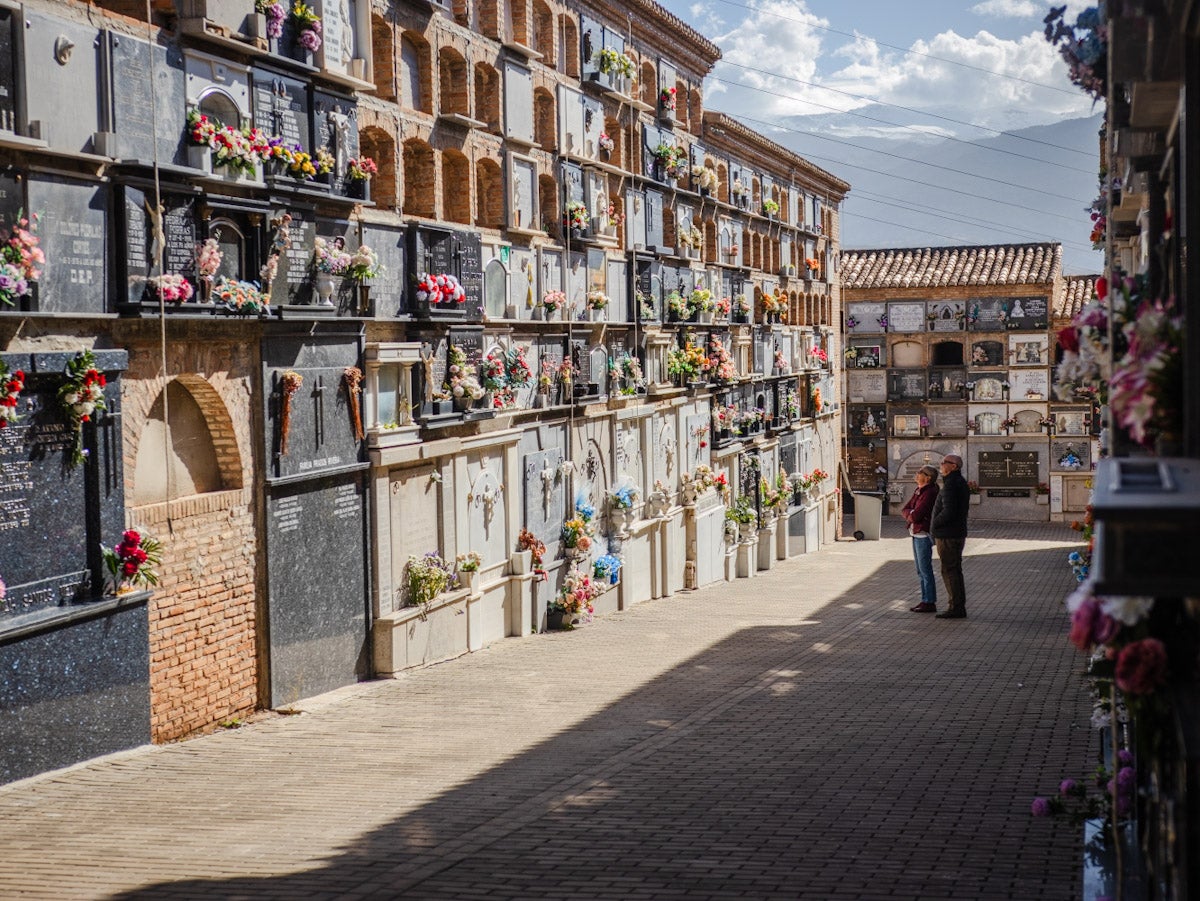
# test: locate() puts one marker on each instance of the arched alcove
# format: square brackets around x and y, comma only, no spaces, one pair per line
[383,49]
[419,179]
[543,32]
[219,106]
[495,290]
[178,456]
[416,72]
[570,56]
[453,86]
[456,186]
[489,18]
[487,95]
[379,146]
[649,84]
[947,353]
[548,202]
[490,191]
[519,20]
[545,120]
[612,128]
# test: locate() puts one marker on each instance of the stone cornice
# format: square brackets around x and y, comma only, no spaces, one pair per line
[742,142]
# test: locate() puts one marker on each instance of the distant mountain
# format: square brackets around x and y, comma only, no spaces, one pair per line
[915,187]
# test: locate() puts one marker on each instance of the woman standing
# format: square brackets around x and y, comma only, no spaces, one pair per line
[917,511]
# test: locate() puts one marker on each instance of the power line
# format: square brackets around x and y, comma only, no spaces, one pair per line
[907,109]
[907,159]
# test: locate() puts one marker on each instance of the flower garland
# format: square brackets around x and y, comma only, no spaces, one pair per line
[353,377]
[129,563]
[81,396]
[289,384]
[12,383]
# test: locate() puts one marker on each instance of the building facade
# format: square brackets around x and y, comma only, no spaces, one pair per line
[425,280]
[951,350]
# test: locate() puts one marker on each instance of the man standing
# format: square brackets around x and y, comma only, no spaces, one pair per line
[948,526]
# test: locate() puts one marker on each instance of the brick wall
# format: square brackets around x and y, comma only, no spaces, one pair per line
[203,615]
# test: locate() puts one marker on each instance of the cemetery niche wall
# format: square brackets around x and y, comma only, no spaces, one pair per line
[75,655]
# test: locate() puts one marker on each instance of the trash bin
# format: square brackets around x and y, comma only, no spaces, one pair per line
[868,515]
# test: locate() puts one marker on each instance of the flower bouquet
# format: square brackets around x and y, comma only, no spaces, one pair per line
[308,26]
[361,169]
[364,264]
[239,297]
[130,563]
[577,216]
[440,289]
[12,383]
[81,396]
[426,578]
[20,256]
[171,288]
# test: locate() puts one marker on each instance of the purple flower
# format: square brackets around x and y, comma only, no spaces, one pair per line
[1066,787]
[310,39]
[1125,757]
[1040,807]
[1126,777]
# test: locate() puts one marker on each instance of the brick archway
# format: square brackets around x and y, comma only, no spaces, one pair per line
[379,145]
[456,187]
[490,191]
[420,179]
[453,84]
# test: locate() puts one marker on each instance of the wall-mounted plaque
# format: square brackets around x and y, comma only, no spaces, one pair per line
[866,467]
[907,384]
[866,421]
[946,315]
[1029,350]
[988,353]
[864,356]
[987,314]
[906,316]
[1067,455]
[946,421]
[1028,385]
[866,386]
[866,318]
[988,386]
[1072,422]
[907,423]
[1007,469]
[1027,313]
[947,384]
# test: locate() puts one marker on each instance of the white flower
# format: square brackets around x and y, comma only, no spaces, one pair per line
[458,390]
[86,409]
[1126,609]
[72,398]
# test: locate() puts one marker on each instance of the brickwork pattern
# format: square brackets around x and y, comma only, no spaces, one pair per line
[795,735]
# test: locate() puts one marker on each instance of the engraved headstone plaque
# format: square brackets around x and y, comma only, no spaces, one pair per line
[906,316]
[1027,313]
[945,315]
[144,113]
[1070,455]
[74,237]
[866,318]
[987,353]
[987,314]
[947,421]
[1029,350]
[866,386]
[1007,469]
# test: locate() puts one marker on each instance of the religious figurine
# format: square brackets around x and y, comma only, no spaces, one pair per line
[427,359]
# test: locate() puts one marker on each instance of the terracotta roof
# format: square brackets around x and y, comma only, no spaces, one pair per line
[948,267]
[1079,289]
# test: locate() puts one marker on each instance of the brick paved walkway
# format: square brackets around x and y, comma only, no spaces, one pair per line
[796,735]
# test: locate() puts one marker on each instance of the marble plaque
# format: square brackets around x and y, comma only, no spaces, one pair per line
[988,387]
[73,229]
[321,434]
[1029,350]
[1067,455]
[1072,422]
[1007,469]
[988,353]
[388,296]
[53,518]
[866,421]
[863,466]
[947,384]
[906,316]
[907,385]
[140,251]
[544,494]
[866,318]
[1032,384]
[316,584]
[1027,313]
[137,122]
[945,315]
[906,423]
[867,386]
[335,128]
[64,97]
[987,314]
[947,421]
[281,107]
[866,356]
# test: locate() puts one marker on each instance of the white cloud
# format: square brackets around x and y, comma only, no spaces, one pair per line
[1009,9]
[775,64]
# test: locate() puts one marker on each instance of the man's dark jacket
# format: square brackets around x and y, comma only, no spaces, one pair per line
[949,518]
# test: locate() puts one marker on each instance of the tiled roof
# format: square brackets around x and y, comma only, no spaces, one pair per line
[1078,291]
[949,267]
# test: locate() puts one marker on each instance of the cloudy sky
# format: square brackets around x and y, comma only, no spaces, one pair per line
[877,72]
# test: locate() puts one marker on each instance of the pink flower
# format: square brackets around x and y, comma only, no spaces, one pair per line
[1040,807]
[1066,787]
[1142,666]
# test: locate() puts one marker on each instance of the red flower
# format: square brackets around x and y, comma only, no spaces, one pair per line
[1142,666]
[1068,339]
[129,569]
[132,537]
[1102,287]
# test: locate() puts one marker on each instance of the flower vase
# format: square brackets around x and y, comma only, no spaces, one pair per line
[596,315]
[359,189]
[748,531]
[706,317]
[470,581]
[324,284]
[520,562]
[463,404]
[557,620]
[976,498]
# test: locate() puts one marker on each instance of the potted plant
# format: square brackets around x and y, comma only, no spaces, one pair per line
[678,308]
[552,304]
[743,515]
[620,504]
[529,555]
[359,173]
[597,302]
[670,161]
[573,600]
[741,308]
[703,303]
[467,566]
[1043,493]
[607,569]
[425,578]
[770,208]
[704,179]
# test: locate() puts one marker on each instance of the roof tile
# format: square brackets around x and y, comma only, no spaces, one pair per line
[949,267]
